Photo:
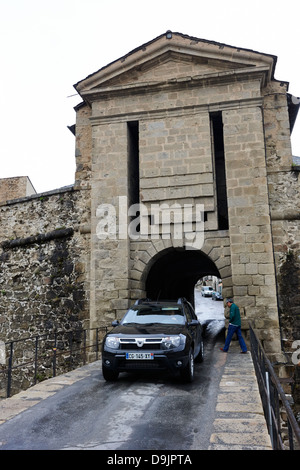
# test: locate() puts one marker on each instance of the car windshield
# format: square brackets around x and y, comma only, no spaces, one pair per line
[145,314]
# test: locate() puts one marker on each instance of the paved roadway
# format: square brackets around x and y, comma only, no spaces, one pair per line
[145,412]
[80,411]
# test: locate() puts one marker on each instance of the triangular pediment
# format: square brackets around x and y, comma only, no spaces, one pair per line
[171,65]
[174,58]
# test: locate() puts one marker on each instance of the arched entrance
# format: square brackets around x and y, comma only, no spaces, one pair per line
[175,272]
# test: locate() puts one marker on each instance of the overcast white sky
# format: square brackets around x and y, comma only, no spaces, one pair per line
[49,45]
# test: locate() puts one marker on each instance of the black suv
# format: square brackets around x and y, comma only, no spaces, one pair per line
[154,335]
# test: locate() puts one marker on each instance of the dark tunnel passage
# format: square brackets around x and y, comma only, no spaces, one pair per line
[175,273]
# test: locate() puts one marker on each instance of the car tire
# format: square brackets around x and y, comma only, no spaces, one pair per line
[110,375]
[187,373]
[200,356]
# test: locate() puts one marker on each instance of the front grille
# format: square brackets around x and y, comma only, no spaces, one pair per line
[136,347]
[140,344]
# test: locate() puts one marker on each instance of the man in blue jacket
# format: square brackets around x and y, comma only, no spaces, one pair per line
[234,327]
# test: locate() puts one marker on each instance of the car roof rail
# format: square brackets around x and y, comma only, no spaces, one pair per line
[140,301]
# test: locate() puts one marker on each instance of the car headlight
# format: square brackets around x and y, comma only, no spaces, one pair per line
[169,342]
[112,342]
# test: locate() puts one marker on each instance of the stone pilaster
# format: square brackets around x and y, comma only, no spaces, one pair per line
[109,257]
[253,273]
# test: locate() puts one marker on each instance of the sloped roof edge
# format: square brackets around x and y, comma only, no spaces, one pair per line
[184,36]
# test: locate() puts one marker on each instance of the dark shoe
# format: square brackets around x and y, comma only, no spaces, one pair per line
[221,349]
[244,352]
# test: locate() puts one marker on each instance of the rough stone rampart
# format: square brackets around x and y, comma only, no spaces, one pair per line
[44,264]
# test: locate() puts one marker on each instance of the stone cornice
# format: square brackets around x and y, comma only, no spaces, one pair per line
[214,79]
[285,215]
[40,238]
[180,111]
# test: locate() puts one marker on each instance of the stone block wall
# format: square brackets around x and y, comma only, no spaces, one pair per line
[44,259]
[16,187]
[253,271]
[283,193]
[83,150]
[176,166]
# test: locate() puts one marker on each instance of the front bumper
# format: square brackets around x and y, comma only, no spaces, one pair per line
[162,360]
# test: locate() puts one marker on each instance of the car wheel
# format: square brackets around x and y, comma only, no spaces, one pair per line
[200,356]
[110,375]
[187,373]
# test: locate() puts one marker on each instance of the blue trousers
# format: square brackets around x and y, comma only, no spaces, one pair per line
[231,330]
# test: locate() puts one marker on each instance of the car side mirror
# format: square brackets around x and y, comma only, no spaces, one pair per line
[115,323]
[194,323]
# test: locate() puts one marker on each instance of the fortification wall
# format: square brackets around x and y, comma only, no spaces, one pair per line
[44,261]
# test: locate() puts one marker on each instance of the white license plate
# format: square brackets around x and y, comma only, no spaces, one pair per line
[139,356]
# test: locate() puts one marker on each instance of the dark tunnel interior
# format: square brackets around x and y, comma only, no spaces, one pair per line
[175,274]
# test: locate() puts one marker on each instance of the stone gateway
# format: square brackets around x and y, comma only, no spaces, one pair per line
[179,131]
